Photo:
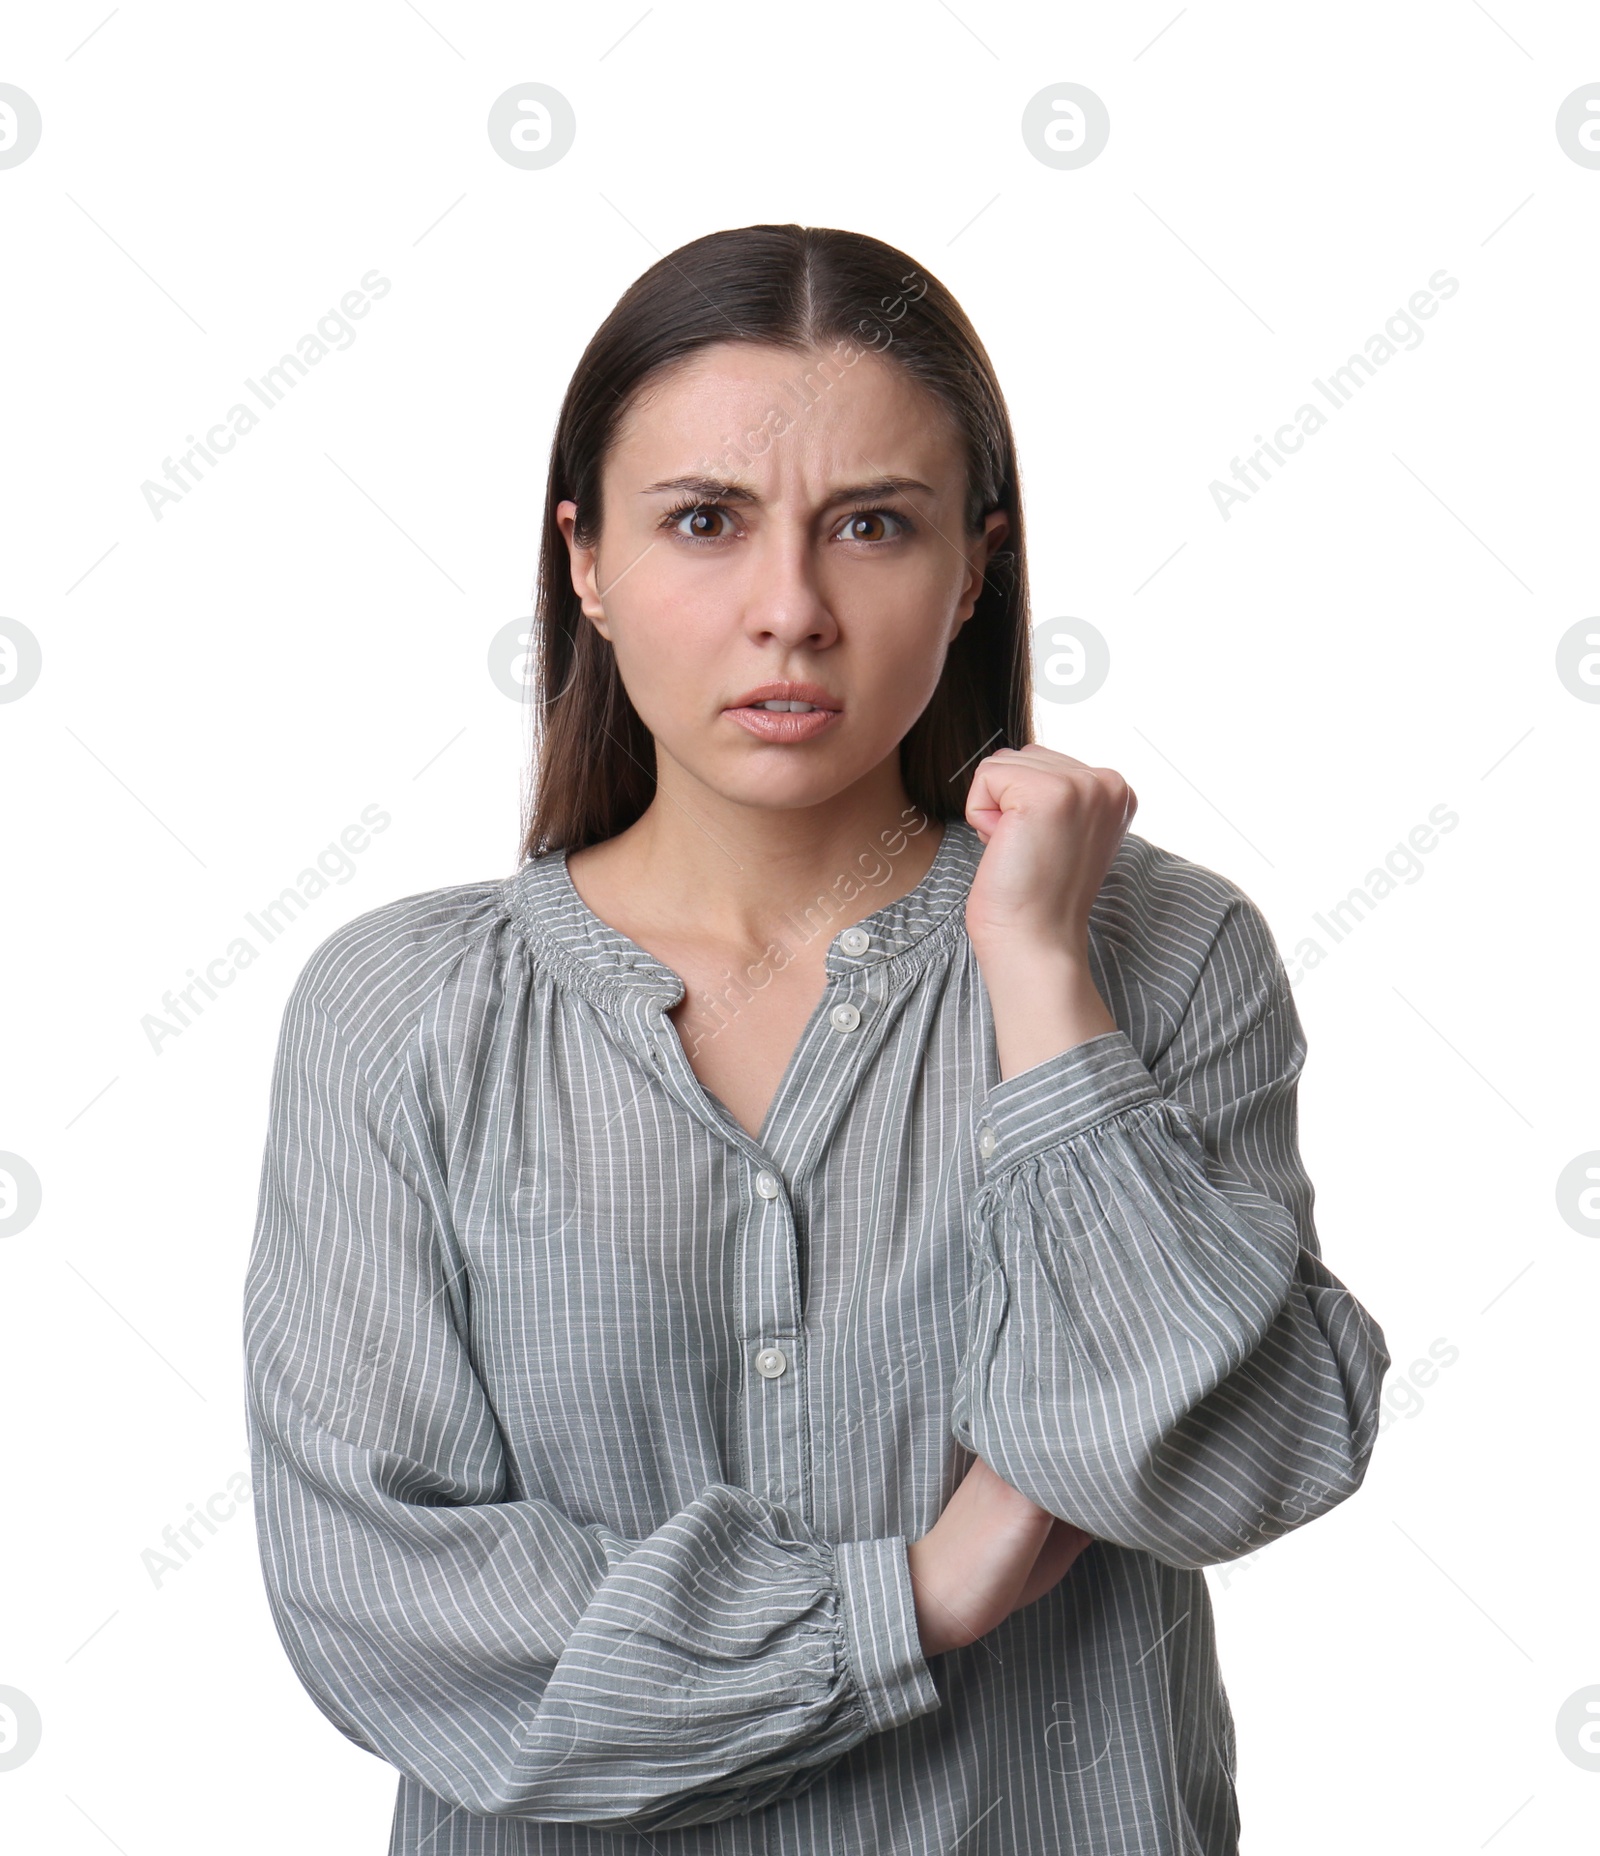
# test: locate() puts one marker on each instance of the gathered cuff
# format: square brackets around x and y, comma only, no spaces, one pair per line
[1063,1096]
[879,1618]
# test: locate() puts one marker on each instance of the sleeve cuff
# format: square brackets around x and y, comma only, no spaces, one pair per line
[1063,1096]
[879,1619]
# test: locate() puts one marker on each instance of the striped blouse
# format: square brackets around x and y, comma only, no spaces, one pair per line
[588,1433]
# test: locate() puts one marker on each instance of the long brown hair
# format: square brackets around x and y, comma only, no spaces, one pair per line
[801,288]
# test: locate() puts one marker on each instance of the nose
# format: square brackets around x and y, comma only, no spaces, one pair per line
[784,600]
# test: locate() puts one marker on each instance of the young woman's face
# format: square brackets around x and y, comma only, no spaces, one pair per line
[750,538]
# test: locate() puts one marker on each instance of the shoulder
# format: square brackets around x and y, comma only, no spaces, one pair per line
[1155,898]
[1170,930]
[373,980]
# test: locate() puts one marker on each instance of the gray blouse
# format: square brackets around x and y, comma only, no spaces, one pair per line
[588,1433]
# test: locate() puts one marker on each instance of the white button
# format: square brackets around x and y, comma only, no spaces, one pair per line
[845,1017]
[768,1185]
[771,1361]
[855,940]
[986,1141]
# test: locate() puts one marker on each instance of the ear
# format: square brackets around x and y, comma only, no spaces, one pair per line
[583,565]
[996,526]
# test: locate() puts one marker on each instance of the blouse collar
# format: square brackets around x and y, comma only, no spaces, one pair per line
[621,977]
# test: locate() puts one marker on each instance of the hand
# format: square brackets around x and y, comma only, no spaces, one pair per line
[991,1552]
[1062,1545]
[1050,826]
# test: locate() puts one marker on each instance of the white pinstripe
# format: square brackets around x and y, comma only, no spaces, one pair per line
[536,1532]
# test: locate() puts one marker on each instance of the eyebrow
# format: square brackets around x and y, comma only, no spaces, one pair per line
[728,490]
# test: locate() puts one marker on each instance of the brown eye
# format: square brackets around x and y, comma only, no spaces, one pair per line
[699,519]
[861,524]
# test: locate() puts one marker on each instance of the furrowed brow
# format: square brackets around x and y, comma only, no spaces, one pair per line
[726,490]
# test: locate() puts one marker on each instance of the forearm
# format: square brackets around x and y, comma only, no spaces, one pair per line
[1044,1001]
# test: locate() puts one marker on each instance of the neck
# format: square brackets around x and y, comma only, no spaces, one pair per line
[741,876]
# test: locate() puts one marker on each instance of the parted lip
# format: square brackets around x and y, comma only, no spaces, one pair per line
[812,693]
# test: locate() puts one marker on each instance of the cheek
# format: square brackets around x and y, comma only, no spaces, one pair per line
[901,654]
[670,659]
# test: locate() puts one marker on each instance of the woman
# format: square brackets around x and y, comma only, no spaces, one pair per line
[758,1319]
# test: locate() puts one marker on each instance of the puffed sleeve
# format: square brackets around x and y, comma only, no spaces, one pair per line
[1154,1349]
[515,1662]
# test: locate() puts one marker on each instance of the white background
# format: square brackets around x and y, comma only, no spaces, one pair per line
[1292,690]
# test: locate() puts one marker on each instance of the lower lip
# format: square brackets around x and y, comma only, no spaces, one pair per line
[783,724]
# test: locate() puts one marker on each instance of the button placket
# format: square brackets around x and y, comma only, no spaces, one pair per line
[775,1416]
[774,1440]
[774,1409]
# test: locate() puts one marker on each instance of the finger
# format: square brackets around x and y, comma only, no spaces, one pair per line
[1044,759]
[1060,1551]
[1047,760]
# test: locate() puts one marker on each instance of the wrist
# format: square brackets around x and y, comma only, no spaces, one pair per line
[1015,960]
[1043,1001]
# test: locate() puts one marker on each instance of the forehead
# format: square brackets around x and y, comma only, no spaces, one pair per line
[768,410]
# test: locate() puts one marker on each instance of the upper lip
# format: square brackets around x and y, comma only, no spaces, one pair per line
[812,693]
